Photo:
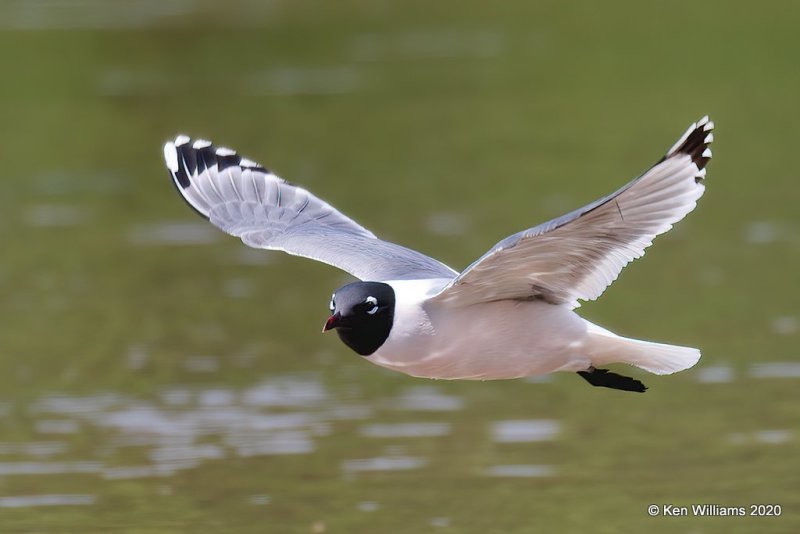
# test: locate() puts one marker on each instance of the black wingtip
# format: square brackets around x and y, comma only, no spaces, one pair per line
[696,142]
[187,160]
[180,162]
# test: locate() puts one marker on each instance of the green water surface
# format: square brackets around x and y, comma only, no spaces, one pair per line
[156,376]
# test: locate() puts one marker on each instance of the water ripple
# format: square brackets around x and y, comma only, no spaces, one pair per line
[184,427]
[522,431]
[26,501]
[49,468]
[42,448]
[406,430]
[289,392]
[56,215]
[775,370]
[260,444]
[427,398]
[173,233]
[715,374]
[340,79]
[521,471]
[383,463]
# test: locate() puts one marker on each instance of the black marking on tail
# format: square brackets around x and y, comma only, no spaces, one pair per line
[604,378]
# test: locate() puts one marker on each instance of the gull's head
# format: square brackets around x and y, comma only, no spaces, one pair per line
[362,314]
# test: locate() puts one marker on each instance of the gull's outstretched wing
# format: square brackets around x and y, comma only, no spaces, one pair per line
[578,255]
[245,200]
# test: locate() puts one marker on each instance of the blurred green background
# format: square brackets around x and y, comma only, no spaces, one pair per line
[157,376]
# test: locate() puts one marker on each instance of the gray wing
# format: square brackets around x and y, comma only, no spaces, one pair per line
[245,200]
[578,255]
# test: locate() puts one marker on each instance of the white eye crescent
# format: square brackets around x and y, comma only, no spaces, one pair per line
[332,306]
[374,302]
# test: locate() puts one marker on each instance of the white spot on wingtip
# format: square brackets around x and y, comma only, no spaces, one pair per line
[200,144]
[703,120]
[171,157]
[181,140]
[222,151]
[248,163]
[709,126]
[707,153]
[709,138]
[701,174]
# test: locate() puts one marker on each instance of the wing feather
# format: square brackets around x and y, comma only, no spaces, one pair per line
[246,200]
[577,256]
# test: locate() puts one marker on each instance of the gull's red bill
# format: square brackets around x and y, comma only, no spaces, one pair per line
[332,322]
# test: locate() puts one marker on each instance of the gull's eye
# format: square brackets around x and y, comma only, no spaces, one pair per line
[374,303]
[332,306]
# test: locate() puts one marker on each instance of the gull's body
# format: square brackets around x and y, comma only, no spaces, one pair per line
[519,338]
[510,314]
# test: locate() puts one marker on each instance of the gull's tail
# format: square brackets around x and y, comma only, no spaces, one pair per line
[604,347]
